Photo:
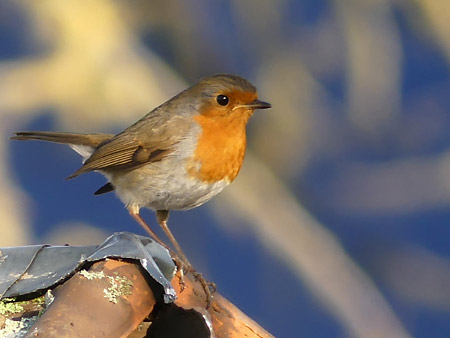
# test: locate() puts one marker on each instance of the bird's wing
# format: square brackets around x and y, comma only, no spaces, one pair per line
[149,140]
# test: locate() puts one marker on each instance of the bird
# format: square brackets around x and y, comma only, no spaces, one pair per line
[176,157]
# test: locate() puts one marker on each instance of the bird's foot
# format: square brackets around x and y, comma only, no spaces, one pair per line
[185,268]
[208,287]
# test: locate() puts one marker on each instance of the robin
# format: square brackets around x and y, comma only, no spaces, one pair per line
[176,157]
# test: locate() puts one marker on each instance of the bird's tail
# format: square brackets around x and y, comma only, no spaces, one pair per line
[83,144]
[89,140]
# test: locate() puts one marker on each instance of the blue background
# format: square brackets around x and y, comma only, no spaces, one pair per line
[392,244]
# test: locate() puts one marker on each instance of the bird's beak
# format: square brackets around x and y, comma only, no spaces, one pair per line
[257,104]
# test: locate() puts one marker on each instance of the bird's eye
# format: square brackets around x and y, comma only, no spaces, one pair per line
[222,100]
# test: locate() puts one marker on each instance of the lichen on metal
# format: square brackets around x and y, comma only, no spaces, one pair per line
[119,286]
[8,305]
[17,328]
[90,275]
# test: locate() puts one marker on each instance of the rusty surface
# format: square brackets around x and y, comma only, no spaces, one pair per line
[88,306]
[83,306]
[226,319]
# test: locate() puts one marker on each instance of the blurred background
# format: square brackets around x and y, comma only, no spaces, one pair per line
[338,224]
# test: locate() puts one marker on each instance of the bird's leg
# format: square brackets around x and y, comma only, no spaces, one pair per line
[162,216]
[134,212]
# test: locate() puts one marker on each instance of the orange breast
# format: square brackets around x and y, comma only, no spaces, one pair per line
[221,148]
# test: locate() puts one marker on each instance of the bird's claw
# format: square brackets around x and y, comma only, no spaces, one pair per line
[208,287]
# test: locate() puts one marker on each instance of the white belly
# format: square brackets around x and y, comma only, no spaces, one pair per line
[164,186]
